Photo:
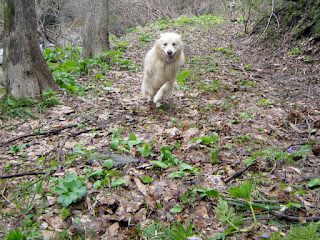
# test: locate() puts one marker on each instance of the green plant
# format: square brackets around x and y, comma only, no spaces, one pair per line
[247,67]
[244,191]
[167,159]
[228,217]
[67,81]
[204,192]
[145,150]
[307,232]
[70,189]
[101,176]
[119,144]
[145,38]
[118,182]
[207,140]
[295,51]
[146,179]
[241,139]
[212,87]
[15,235]
[65,212]
[183,76]
[265,102]
[174,231]
[13,149]
[29,230]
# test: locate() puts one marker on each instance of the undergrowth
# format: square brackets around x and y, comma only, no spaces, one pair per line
[28,107]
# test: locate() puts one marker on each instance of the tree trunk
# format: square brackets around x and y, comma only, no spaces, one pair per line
[96,36]
[25,73]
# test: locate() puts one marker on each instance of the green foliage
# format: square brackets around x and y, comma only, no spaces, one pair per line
[13,149]
[145,150]
[207,140]
[67,81]
[225,51]
[175,231]
[15,235]
[211,87]
[65,213]
[118,182]
[145,38]
[314,183]
[273,153]
[70,189]
[244,191]
[265,102]
[66,64]
[146,179]
[167,159]
[302,18]
[119,144]
[204,19]
[204,192]
[228,217]
[309,232]
[211,143]
[102,176]
[295,51]
[176,209]
[26,108]
[28,231]
[183,76]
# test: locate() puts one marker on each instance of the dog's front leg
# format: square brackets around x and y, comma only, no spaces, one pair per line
[163,91]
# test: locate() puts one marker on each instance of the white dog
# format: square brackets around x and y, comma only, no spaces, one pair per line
[161,66]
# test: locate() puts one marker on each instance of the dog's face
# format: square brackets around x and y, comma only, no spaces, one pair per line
[170,45]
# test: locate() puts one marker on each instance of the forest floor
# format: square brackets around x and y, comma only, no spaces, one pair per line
[242,111]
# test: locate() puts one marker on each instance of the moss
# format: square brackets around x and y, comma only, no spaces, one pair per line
[8,15]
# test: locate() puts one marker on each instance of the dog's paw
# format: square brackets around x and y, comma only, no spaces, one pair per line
[158,104]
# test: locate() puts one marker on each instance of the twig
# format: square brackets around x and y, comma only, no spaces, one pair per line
[21,174]
[237,174]
[265,175]
[61,146]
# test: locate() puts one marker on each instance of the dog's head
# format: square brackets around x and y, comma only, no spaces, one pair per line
[170,45]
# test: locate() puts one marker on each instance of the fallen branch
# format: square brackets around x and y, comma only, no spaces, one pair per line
[51,132]
[295,219]
[21,174]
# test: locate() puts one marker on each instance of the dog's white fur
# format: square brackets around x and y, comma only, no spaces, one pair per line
[161,66]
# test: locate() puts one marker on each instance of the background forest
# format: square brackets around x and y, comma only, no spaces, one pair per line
[233,153]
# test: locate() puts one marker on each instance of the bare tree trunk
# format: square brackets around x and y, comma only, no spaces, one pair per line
[25,72]
[96,36]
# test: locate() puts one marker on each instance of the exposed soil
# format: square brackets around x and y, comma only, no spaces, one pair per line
[254,96]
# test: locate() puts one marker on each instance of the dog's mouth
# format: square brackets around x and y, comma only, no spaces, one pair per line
[170,58]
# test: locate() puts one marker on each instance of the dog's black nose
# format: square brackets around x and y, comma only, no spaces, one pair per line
[169,52]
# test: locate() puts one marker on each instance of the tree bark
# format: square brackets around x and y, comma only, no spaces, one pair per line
[25,72]
[96,35]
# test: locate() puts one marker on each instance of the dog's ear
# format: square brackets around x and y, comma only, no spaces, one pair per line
[178,32]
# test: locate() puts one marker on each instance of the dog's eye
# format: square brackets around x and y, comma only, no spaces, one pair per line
[165,44]
[173,44]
